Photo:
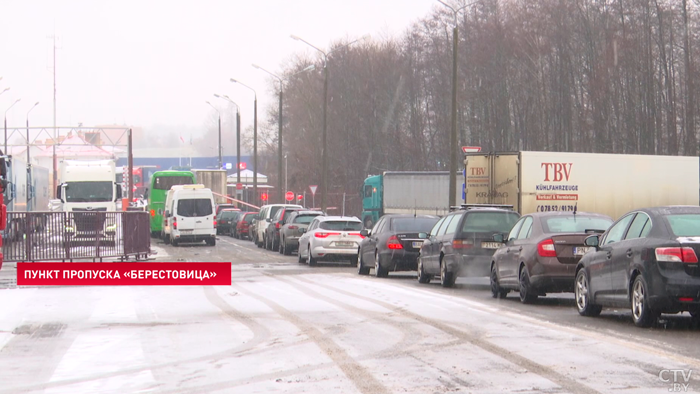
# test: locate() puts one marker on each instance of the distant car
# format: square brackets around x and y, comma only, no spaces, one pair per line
[540,253]
[264,219]
[243,225]
[330,238]
[219,207]
[272,232]
[647,260]
[225,221]
[393,244]
[293,228]
[461,243]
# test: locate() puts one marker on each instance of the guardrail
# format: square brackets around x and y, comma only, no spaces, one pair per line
[68,236]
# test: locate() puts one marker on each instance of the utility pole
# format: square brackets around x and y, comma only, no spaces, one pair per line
[55,131]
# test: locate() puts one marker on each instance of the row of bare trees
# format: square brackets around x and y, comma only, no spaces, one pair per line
[614,76]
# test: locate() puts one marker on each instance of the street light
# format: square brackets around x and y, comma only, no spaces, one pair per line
[5,90]
[29,165]
[255,139]
[324,143]
[217,111]
[285,172]
[238,136]
[279,121]
[453,132]
[13,104]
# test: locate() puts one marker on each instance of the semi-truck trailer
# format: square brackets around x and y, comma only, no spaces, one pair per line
[611,184]
[27,190]
[214,180]
[411,192]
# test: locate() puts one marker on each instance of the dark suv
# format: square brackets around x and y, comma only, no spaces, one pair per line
[272,232]
[461,243]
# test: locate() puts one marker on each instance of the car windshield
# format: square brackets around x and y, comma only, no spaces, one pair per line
[227,214]
[304,219]
[89,191]
[419,225]
[489,222]
[194,207]
[341,225]
[685,225]
[575,224]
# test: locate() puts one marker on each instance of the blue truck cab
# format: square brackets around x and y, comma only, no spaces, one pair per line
[372,206]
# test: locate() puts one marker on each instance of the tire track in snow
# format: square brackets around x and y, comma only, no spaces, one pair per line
[565,382]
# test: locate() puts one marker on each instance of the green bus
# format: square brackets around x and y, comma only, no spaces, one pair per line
[161,182]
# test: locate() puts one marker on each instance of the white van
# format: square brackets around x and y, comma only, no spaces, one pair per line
[189,215]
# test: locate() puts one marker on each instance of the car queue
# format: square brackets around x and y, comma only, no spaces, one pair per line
[646,261]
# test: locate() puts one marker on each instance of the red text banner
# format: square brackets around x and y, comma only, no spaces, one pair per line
[123,274]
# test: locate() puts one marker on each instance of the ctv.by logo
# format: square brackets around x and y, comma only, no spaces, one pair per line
[678,378]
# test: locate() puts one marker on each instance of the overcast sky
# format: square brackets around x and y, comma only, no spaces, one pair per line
[149,62]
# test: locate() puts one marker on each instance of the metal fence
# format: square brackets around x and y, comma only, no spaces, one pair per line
[67,236]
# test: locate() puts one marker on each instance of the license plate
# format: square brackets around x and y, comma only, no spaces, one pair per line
[490,245]
[344,243]
[581,250]
[418,244]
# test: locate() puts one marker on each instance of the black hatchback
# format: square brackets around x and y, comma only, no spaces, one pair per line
[393,244]
[646,261]
[462,244]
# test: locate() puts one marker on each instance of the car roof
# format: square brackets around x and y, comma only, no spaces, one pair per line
[308,212]
[559,213]
[348,218]
[405,215]
[231,210]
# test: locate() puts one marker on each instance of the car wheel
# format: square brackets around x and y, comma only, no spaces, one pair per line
[210,241]
[285,249]
[642,314]
[312,261]
[447,279]
[259,243]
[175,242]
[166,239]
[526,294]
[379,271]
[496,290]
[299,259]
[361,269]
[422,276]
[583,298]
[280,249]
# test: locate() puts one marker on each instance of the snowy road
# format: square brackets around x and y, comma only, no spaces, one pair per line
[287,328]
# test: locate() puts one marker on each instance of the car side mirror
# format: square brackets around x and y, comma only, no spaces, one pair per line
[498,238]
[364,233]
[303,230]
[119,192]
[145,194]
[423,235]
[593,240]
[268,220]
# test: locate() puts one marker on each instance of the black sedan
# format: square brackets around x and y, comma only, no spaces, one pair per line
[393,244]
[540,253]
[647,260]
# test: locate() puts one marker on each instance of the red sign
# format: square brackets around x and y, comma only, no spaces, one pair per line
[124,274]
[239,186]
[263,196]
[300,197]
[242,166]
[471,149]
[289,196]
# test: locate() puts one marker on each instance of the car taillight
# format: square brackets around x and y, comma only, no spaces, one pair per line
[322,234]
[393,243]
[462,243]
[357,235]
[153,213]
[277,225]
[175,223]
[546,248]
[676,255]
[214,223]
[293,227]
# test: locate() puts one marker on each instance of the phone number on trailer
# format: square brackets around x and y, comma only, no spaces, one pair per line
[556,208]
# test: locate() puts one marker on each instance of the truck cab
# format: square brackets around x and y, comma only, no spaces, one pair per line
[371,200]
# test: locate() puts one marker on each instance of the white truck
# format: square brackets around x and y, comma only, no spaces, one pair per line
[410,192]
[87,191]
[611,184]
[215,180]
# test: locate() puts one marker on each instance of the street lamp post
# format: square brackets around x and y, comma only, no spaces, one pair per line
[453,132]
[324,143]
[29,165]
[285,173]
[238,135]
[13,104]
[4,90]
[255,139]
[279,132]
[218,112]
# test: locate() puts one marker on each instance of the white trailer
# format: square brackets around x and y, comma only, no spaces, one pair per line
[611,184]
[215,180]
